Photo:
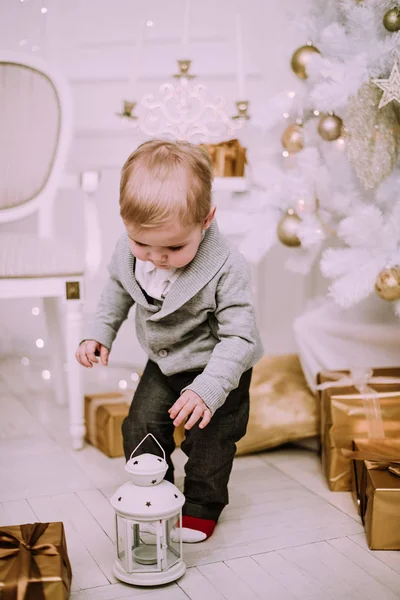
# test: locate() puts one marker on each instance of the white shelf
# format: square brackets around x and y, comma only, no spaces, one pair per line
[230,184]
[71,181]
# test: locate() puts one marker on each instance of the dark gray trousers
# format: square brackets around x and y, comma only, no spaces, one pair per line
[210,451]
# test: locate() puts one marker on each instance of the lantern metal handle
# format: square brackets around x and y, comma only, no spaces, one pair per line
[156,441]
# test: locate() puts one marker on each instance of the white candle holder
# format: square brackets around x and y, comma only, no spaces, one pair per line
[242,110]
[147,510]
[184,68]
[184,112]
[128,110]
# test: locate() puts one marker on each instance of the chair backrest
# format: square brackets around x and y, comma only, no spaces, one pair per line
[35,134]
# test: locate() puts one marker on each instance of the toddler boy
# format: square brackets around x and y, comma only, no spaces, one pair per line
[194,318]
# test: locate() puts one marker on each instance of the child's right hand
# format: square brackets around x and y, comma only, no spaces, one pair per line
[86,353]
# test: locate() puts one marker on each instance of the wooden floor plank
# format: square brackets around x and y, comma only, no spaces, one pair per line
[379,574]
[227,582]
[198,587]
[17,512]
[262,583]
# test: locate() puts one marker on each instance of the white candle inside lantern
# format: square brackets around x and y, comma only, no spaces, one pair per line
[137,62]
[185,32]
[240,78]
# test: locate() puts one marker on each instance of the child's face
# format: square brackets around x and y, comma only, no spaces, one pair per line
[168,246]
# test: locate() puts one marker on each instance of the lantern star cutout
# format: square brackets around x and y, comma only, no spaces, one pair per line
[148,503]
[390,86]
[154,481]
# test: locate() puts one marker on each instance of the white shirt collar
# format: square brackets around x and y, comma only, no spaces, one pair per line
[149,267]
[156,282]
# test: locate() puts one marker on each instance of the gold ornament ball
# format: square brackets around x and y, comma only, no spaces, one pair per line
[387,284]
[292,138]
[391,19]
[330,127]
[301,58]
[287,229]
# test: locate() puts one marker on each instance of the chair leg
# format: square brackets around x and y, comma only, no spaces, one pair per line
[73,316]
[53,312]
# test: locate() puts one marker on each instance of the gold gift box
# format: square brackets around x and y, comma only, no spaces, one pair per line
[104,414]
[343,419]
[228,158]
[34,563]
[179,434]
[376,489]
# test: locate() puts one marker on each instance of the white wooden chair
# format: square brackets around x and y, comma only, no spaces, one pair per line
[36,125]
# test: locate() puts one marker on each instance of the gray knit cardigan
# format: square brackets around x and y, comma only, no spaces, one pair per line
[206,321]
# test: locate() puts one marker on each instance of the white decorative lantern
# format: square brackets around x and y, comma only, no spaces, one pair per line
[147,510]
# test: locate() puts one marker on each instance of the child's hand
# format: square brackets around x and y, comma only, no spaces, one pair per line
[86,353]
[190,403]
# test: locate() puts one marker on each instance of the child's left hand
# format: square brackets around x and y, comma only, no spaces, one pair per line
[190,403]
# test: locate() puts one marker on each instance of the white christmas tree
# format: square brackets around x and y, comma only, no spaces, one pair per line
[337,177]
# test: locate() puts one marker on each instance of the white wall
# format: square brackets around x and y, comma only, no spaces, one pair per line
[93,42]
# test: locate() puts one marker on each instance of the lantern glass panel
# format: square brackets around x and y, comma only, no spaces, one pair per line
[121,526]
[173,546]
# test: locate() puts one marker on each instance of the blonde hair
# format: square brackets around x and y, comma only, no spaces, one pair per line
[162,181]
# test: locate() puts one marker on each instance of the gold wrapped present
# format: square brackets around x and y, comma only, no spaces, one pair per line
[104,414]
[376,488]
[282,407]
[228,158]
[34,563]
[354,405]
[179,434]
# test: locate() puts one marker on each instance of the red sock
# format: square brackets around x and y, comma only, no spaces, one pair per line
[206,526]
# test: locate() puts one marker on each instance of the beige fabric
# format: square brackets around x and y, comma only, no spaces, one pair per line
[282,408]
[25,255]
[29,127]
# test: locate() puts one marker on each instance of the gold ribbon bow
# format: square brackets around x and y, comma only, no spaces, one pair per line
[361,379]
[23,549]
